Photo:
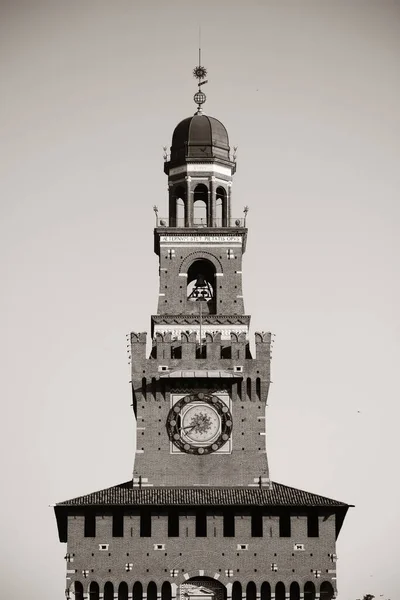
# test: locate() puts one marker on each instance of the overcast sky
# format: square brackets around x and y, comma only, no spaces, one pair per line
[310,93]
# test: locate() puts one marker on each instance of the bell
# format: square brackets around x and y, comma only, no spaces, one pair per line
[200,281]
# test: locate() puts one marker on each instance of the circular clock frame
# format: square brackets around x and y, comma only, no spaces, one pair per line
[182,440]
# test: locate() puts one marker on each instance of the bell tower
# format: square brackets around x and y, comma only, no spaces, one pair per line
[200,518]
[200,398]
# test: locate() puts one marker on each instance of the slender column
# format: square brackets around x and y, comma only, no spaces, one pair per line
[212,203]
[228,204]
[172,206]
[189,203]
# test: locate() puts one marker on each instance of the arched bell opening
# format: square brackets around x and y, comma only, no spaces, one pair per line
[205,587]
[94,591]
[265,591]
[326,591]
[108,591]
[177,209]
[309,591]
[123,591]
[294,591]
[221,207]
[200,206]
[201,288]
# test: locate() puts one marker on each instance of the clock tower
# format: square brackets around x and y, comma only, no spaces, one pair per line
[200,518]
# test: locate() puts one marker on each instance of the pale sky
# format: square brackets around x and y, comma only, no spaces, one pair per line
[310,93]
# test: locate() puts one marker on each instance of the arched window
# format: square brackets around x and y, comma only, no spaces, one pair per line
[280,591]
[78,589]
[144,388]
[265,591]
[294,591]
[237,591]
[251,591]
[94,591]
[166,592]
[200,206]
[123,591]
[154,388]
[326,591]
[108,591]
[152,591]
[137,591]
[222,207]
[180,212]
[309,591]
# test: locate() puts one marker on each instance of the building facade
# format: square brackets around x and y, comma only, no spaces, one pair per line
[200,518]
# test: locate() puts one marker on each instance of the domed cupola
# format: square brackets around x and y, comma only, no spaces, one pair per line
[200,170]
[199,137]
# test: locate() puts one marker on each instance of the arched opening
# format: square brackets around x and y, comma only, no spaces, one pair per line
[179,206]
[251,591]
[94,591]
[152,591]
[201,285]
[265,591]
[210,589]
[294,591]
[237,591]
[258,388]
[280,591]
[326,591]
[78,590]
[221,207]
[166,591]
[309,591]
[137,591]
[200,205]
[108,591]
[123,591]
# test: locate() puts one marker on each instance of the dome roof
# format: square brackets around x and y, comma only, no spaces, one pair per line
[200,137]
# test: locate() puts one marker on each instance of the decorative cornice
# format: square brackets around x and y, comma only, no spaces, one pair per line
[183,319]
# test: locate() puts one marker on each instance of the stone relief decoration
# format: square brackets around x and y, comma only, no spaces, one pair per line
[206,319]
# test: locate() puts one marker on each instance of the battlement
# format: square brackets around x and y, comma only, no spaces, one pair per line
[187,346]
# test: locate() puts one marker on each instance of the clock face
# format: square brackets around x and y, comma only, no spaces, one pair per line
[199,424]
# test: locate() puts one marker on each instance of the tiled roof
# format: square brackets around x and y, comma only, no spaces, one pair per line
[126,494]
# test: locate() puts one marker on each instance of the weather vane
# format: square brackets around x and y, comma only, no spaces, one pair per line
[200,73]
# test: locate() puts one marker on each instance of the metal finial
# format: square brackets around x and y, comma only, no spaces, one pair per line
[200,73]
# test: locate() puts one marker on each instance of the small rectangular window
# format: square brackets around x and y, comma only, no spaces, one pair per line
[159,546]
[201,523]
[145,523]
[173,524]
[90,525]
[118,525]
[103,546]
[312,525]
[284,526]
[229,524]
[242,547]
[256,524]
